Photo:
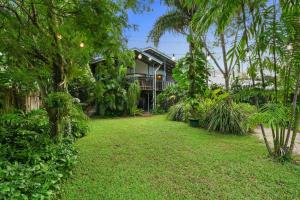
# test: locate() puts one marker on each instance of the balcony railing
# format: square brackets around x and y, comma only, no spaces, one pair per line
[147,83]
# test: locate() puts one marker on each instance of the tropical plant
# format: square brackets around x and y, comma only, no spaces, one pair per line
[283,117]
[61,37]
[225,119]
[170,96]
[110,90]
[178,20]
[276,116]
[31,165]
[133,93]
[266,37]
[195,82]
[216,13]
[179,112]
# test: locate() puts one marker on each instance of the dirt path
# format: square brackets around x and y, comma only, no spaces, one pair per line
[269,137]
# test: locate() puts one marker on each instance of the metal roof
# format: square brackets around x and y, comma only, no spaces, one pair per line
[99,58]
[159,52]
[148,55]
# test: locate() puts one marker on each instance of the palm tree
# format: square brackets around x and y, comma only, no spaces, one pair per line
[222,14]
[177,20]
[218,13]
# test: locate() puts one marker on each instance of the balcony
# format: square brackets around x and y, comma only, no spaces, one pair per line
[147,83]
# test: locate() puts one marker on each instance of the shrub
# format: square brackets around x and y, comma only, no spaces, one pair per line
[179,112]
[59,103]
[78,122]
[158,111]
[204,108]
[247,110]
[133,96]
[169,97]
[31,164]
[225,119]
[278,117]
[191,108]
[39,178]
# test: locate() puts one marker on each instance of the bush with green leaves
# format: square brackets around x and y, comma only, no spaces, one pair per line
[225,119]
[133,95]
[179,112]
[169,97]
[204,108]
[32,165]
[278,117]
[186,109]
[247,110]
[59,103]
[78,122]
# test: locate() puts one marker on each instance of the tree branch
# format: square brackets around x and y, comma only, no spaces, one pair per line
[212,56]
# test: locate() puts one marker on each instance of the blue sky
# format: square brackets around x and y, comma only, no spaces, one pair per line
[170,43]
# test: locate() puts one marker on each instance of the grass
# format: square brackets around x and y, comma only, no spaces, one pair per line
[152,158]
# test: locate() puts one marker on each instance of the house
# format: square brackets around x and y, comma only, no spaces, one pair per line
[153,70]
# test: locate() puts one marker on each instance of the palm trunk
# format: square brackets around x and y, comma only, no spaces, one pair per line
[294,120]
[287,84]
[249,58]
[274,55]
[294,115]
[265,139]
[259,55]
[261,70]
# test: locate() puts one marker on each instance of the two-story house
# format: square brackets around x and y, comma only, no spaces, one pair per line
[153,70]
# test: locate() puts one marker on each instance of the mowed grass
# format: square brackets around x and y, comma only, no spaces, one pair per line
[152,158]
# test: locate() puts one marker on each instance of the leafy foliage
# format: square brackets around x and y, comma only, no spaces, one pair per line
[181,73]
[59,103]
[133,94]
[272,114]
[170,96]
[176,20]
[276,116]
[32,165]
[112,90]
[225,119]
[179,112]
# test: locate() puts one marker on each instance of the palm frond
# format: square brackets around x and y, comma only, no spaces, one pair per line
[174,21]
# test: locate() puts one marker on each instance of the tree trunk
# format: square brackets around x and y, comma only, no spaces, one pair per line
[261,70]
[192,73]
[58,73]
[274,55]
[258,53]
[265,139]
[294,115]
[226,73]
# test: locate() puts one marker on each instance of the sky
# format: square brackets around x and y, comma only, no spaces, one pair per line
[169,44]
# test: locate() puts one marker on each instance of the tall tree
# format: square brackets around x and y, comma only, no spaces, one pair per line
[61,36]
[178,20]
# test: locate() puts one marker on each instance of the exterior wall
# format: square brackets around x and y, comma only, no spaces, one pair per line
[144,68]
[141,67]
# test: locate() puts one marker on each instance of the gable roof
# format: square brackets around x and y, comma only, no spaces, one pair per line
[148,56]
[153,55]
[159,55]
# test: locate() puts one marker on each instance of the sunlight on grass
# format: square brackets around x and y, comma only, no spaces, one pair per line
[152,158]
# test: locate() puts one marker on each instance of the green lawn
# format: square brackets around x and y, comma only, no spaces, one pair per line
[152,158]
